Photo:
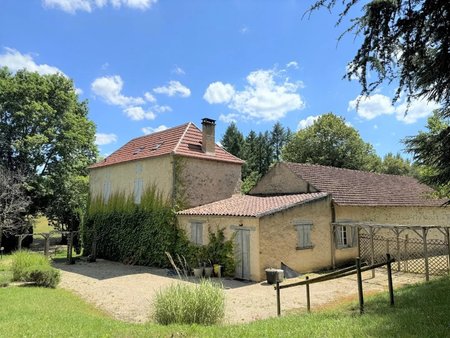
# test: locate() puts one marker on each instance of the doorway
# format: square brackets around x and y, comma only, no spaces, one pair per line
[242,253]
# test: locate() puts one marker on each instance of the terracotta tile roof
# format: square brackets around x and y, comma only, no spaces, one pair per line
[355,187]
[252,206]
[185,140]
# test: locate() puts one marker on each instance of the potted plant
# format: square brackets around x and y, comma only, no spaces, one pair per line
[208,269]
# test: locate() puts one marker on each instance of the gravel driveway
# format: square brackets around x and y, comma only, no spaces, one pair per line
[126,292]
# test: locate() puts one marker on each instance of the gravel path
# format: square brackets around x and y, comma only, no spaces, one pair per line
[126,292]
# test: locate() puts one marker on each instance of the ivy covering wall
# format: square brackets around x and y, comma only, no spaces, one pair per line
[134,234]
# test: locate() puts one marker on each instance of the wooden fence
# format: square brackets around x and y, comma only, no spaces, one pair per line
[46,235]
[355,269]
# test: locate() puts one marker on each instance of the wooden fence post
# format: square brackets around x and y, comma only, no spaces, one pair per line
[389,271]
[278,299]
[69,248]
[406,255]
[398,249]
[372,250]
[308,299]
[425,253]
[360,289]
[47,243]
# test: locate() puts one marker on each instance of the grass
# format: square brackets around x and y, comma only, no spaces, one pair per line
[421,311]
[202,303]
[41,225]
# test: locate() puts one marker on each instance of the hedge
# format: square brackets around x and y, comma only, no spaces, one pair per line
[134,234]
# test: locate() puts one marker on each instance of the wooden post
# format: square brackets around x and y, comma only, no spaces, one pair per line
[405,254]
[447,232]
[19,244]
[308,299]
[425,253]
[389,271]
[360,288]
[47,244]
[372,251]
[278,299]
[69,248]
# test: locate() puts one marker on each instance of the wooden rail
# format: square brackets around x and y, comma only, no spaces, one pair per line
[355,269]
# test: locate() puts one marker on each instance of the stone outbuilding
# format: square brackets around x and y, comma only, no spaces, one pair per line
[183,163]
[297,214]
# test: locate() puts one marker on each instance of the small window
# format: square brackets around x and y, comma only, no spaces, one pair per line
[106,190]
[346,236]
[304,235]
[138,189]
[197,233]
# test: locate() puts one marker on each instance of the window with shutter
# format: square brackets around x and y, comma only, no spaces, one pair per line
[304,235]
[197,233]
[138,190]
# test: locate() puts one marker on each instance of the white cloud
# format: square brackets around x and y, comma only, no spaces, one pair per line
[109,88]
[103,139]
[15,61]
[293,64]
[72,6]
[418,109]
[378,104]
[178,70]
[269,95]
[265,99]
[305,123]
[218,92]
[372,106]
[150,130]
[161,109]
[138,113]
[173,88]
[149,97]
[228,118]
[78,91]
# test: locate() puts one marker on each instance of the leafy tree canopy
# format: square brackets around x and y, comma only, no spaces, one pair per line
[45,133]
[233,140]
[406,42]
[330,141]
[431,152]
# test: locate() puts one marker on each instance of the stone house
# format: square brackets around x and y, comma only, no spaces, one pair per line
[183,163]
[290,216]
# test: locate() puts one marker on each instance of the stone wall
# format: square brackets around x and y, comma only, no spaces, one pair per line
[229,224]
[121,177]
[206,181]
[280,180]
[278,238]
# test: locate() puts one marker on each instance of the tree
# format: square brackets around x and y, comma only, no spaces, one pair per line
[278,138]
[406,42]
[431,153]
[233,140]
[330,141]
[45,133]
[395,165]
[13,203]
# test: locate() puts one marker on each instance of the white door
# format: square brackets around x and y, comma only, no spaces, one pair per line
[242,253]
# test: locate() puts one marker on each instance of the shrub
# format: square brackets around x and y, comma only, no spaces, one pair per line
[134,234]
[45,276]
[22,260]
[220,251]
[203,303]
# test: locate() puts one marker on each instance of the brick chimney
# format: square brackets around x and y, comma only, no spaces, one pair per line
[209,137]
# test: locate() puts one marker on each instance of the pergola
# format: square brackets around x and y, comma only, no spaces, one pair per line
[400,245]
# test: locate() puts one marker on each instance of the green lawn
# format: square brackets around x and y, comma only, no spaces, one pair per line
[420,311]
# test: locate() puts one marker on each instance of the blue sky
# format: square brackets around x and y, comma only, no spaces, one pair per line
[146,65]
